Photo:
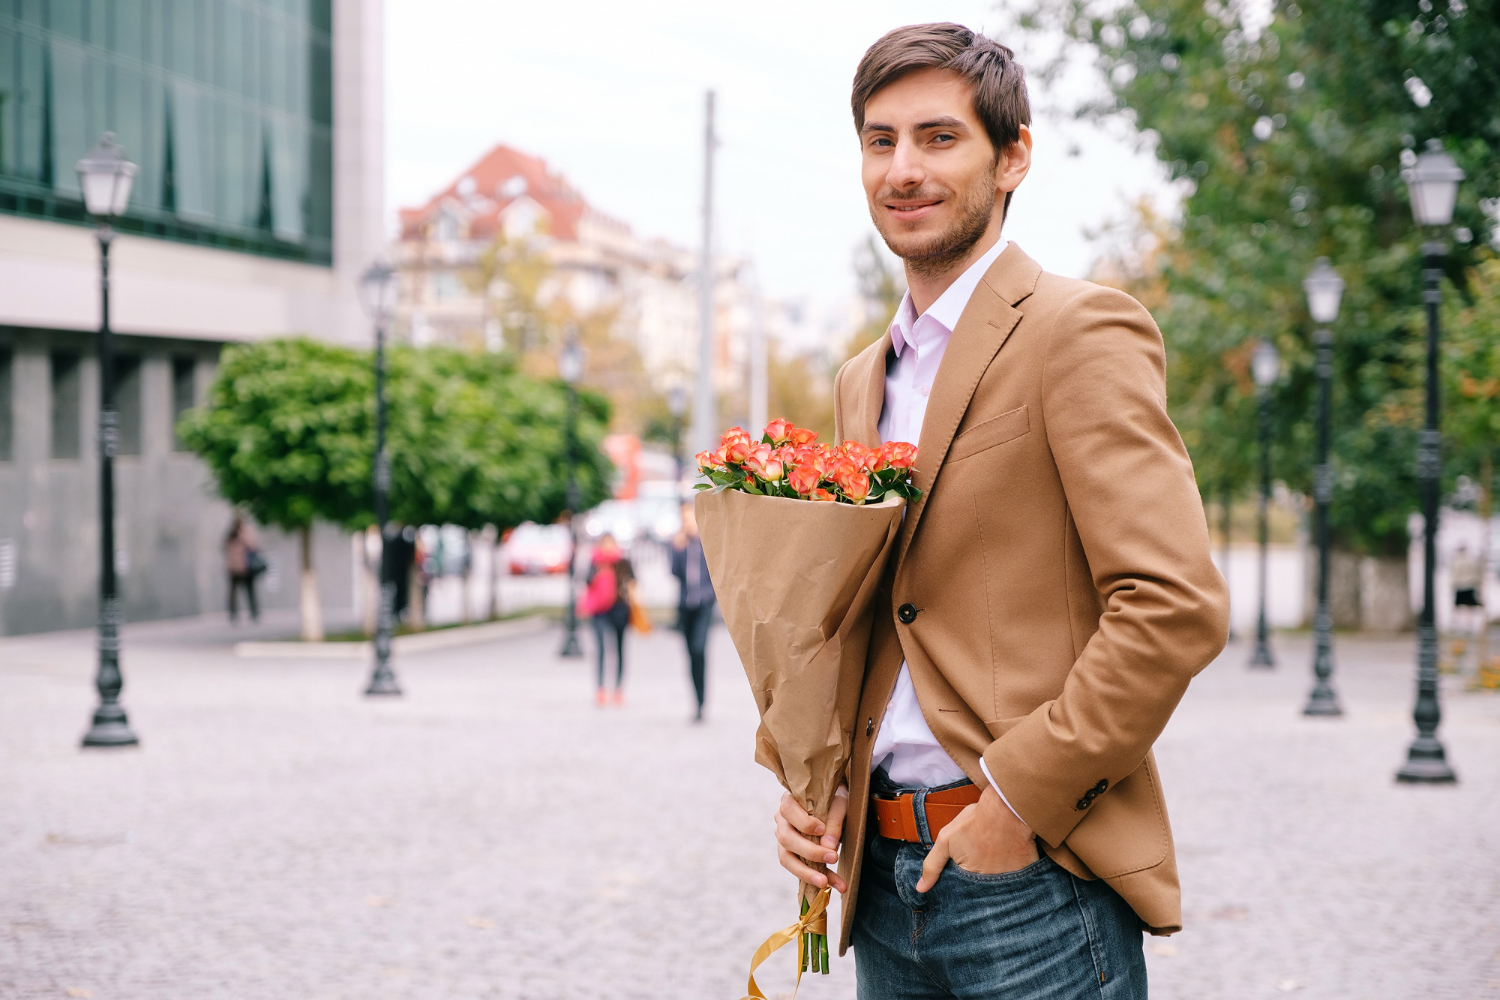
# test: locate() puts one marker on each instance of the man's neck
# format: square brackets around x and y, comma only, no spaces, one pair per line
[926,289]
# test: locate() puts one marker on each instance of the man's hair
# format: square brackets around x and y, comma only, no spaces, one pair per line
[990,68]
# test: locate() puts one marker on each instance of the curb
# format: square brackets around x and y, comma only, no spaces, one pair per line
[421,642]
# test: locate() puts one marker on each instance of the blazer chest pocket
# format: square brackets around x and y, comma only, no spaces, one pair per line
[988,433]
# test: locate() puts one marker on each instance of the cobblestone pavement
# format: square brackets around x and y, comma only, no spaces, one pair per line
[493,834]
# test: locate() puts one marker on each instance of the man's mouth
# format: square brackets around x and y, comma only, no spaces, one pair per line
[911,209]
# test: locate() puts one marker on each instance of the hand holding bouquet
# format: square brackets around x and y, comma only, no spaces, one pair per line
[796,583]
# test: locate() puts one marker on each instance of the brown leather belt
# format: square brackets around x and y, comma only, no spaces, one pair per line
[897,818]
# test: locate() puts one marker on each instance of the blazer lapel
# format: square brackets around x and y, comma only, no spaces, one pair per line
[983,328]
[867,396]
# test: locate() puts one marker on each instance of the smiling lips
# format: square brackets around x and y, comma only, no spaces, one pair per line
[909,211]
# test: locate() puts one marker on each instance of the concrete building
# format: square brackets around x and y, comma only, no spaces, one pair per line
[594,261]
[257,130]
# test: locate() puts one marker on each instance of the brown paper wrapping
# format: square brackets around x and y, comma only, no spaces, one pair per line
[796,581]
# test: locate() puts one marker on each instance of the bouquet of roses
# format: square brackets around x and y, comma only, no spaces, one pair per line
[796,582]
[789,462]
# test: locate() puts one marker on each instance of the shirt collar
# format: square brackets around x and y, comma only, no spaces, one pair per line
[949,306]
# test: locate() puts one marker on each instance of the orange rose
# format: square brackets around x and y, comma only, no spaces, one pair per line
[859,454]
[822,494]
[804,478]
[736,449]
[709,460]
[853,482]
[899,454]
[801,435]
[779,430]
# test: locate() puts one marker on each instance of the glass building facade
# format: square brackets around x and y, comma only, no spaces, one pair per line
[226,105]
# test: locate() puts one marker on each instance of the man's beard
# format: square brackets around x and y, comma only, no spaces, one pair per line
[937,254]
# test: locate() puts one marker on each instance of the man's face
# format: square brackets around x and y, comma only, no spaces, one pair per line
[932,178]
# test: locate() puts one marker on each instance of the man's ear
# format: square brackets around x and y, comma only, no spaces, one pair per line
[1014,163]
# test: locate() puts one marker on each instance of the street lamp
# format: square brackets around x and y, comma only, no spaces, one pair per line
[570,370]
[1265,367]
[377,293]
[105,176]
[1324,290]
[677,406]
[1433,185]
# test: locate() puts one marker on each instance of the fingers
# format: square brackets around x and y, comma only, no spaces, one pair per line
[794,842]
[936,858]
[836,813]
[800,819]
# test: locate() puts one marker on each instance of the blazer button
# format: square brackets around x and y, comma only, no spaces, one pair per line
[907,613]
[870,725]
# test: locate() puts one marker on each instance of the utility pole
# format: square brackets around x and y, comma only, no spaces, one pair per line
[705,408]
[760,389]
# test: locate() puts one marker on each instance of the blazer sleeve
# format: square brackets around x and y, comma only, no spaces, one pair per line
[1132,497]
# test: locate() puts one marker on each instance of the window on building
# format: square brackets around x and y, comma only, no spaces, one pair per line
[67,403]
[7,403]
[184,395]
[226,105]
[128,402]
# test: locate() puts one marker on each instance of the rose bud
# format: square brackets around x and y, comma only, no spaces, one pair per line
[858,454]
[773,470]
[779,430]
[708,460]
[804,478]
[821,494]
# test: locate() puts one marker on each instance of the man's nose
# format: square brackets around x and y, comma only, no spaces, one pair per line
[906,167]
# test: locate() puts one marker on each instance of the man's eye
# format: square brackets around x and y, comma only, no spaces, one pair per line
[881,141]
[943,137]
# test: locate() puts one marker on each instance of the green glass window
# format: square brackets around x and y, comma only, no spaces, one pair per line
[226,105]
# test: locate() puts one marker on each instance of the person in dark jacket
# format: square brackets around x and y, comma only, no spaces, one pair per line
[695,605]
[607,599]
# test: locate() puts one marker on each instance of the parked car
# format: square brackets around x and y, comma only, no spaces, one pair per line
[538,548]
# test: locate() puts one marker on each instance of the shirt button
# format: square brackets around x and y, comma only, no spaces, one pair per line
[924,390]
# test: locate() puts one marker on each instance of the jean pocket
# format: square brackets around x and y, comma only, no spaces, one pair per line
[1041,866]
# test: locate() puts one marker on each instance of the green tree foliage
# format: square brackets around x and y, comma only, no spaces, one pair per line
[288,432]
[475,442]
[1287,139]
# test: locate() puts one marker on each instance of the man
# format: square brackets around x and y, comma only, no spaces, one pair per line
[1049,598]
[695,600]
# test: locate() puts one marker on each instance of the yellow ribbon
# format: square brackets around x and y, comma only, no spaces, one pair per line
[814,921]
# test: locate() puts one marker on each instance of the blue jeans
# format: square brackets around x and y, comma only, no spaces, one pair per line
[1035,934]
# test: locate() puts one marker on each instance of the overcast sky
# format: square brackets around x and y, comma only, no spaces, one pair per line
[611,95]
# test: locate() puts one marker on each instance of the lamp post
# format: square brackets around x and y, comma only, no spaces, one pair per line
[1433,184]
[1324,290]
[570,370]
[105,176]
[677,406]
[1265,366]
[377,293]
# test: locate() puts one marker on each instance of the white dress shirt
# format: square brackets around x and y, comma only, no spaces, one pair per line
[905,744]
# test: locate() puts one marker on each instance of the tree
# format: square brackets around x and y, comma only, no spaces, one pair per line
[1287,138]
[287,433]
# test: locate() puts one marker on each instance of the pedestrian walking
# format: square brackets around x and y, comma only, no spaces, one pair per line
[1004,831]
[695,602]
[1468,578]
[606,601]
[244,562]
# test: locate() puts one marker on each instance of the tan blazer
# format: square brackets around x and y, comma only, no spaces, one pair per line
[1058,566]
